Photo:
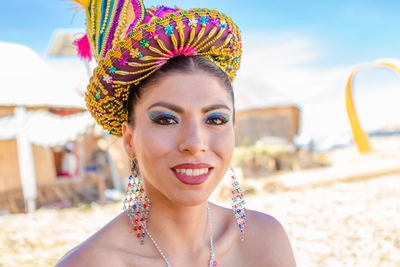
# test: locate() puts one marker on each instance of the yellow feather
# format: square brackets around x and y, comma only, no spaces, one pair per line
[84,4]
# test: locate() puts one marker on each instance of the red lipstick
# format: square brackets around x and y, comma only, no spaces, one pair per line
[194,179]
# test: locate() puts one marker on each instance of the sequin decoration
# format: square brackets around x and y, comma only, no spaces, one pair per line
[169,30]
[137,204]
[204,20]
[238,204]
[107,78]
[193,22]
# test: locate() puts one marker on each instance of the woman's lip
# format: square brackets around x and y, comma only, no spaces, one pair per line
[192,180]
[192,166]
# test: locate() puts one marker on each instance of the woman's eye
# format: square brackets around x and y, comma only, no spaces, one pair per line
[165,120]
[162,117]
[216,120]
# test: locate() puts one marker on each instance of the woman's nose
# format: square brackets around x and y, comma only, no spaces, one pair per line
[193,139]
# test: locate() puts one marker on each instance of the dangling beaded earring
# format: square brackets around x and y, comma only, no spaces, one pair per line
[238,203]
[137,204]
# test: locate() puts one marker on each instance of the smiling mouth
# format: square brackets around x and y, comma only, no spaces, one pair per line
[192,176]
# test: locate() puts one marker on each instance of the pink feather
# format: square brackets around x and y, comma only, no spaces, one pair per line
[83,48]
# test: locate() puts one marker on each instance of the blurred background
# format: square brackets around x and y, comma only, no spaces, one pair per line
[62,178]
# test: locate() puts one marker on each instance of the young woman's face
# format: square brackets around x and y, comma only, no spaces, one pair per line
[183,136]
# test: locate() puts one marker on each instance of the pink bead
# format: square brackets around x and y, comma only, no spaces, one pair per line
[215,263]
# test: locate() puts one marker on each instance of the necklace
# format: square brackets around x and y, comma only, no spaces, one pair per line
[212,262]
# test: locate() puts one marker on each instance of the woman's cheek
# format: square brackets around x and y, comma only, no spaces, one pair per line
[223,142]
[158,140]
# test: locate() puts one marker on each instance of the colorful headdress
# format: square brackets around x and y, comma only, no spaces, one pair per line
[130,43]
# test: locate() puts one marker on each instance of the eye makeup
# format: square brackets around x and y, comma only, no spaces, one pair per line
[214,117]
[162,117]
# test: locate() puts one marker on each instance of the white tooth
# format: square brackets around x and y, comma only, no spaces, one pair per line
[192,172]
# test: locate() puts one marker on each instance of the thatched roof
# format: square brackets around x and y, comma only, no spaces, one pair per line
[27,80]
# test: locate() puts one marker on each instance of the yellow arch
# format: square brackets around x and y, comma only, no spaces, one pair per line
[360,137]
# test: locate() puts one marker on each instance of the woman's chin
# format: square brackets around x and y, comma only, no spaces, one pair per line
[190,199]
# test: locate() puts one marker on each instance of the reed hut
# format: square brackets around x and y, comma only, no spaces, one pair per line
[39,111]
[262,111]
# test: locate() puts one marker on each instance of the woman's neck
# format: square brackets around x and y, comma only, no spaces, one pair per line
[178,228]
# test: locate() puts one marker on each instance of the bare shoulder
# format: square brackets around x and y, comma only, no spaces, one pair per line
[83,255]
[99,250]
[264,224]
[266,243]
[265,232]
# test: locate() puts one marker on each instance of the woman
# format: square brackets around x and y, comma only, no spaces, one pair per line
[166,88]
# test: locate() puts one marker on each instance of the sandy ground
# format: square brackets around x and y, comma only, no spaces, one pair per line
[345,224]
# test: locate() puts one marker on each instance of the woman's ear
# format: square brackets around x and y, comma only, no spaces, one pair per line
[127,139]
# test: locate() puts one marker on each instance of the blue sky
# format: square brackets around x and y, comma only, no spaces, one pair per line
[346,31]
[304,50]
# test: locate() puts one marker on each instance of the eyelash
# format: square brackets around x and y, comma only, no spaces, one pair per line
[222,120]
[165,120]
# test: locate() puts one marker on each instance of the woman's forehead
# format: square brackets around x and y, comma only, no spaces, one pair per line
[187,89]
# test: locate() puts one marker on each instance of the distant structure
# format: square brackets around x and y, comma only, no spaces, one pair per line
[262,112]
[360,137]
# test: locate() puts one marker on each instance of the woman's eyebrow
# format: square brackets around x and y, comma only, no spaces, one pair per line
[214,107]
[168,106]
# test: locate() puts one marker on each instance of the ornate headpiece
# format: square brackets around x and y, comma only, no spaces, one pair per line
[130,43]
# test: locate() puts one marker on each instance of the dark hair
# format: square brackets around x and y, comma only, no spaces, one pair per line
[180,64]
